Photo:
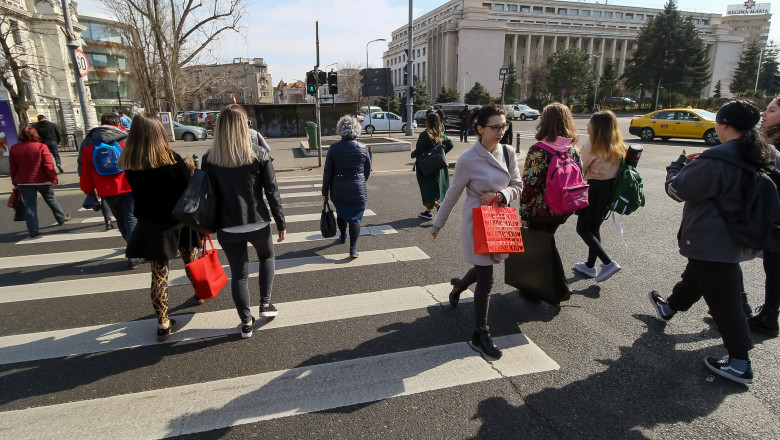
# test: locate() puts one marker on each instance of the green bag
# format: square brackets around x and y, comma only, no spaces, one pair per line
[627,193]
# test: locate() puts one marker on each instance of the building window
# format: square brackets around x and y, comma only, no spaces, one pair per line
[418,53]
[486,5]
[629,16]
[512,8]
[423,51]
[585,13]
[525,8]
[17,36]
[549,10]
[597,13]
[641,17]
[562,11]
[423,71]
[618,15]
[608,14]
[619,46]
[537,10]
[574,11]
[498,7]
[705,21]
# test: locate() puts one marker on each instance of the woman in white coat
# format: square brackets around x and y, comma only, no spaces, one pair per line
[487,171]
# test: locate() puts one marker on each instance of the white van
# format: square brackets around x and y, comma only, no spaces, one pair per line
[364,109]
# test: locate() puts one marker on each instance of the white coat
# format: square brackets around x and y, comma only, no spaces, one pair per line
[478,172]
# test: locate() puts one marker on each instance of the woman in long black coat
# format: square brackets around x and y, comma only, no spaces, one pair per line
[347,167]
[433,187]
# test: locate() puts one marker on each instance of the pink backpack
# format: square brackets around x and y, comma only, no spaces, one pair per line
[566,190]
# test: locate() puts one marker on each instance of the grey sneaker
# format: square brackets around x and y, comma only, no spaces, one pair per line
[661,306]
[585,270]
[723,367]
[607,270]
[268,310]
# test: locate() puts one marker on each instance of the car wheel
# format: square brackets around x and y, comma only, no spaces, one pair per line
[369,129]
[188,137]
[403,128]
[522,117]
[646,134]
[711,138]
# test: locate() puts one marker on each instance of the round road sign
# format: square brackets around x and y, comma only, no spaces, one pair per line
[81,62]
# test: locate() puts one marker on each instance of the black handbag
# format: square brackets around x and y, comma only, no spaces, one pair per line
[327,221]
[432,161]
[197,206]
[533,271]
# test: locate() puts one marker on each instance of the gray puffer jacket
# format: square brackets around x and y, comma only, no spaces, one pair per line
[703,234]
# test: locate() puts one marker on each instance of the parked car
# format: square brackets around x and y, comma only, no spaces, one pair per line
[419,117]
[691,123]
[383,121]
[365,109]
[188,133]
[452,113]
[521,112]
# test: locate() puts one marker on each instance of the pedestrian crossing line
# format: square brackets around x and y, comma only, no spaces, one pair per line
[116,253]
[300,194]
[306,186]
[294,179]
[118,283]
[68,236]
[95,339]
[287,218]
[201,407]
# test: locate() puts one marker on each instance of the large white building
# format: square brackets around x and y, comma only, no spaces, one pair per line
[468,41]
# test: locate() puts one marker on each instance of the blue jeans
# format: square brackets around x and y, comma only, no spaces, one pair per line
[54,150]
[122,206]
[30,195]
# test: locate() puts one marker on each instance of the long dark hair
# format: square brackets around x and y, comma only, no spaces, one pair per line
[743,115]
[481,115]
[772,134]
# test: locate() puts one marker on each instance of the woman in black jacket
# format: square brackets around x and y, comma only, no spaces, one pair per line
[347,167]
[158,177]
[240,174]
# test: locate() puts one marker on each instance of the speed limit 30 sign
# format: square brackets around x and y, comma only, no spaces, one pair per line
[81,62]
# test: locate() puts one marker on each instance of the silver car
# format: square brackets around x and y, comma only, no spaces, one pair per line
[188,133]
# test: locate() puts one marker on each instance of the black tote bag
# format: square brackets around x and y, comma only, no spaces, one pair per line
[197,206]
[327,221]
[432,161]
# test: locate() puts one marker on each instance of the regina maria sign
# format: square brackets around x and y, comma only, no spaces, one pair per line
[750,7]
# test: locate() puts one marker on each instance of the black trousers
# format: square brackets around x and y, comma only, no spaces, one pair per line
[772,285]
[720,284]
[483,276]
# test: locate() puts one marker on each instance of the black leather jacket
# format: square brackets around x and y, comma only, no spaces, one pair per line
[239,192]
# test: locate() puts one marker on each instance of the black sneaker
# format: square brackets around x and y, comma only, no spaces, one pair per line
[481,340]
[723,367]
[656,300]
[765,321]
[247,329]
[268,310]
[457,289]
[426,215]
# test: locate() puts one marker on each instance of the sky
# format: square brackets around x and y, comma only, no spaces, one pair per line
[283,32]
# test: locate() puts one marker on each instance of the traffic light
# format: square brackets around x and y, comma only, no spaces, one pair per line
[333,85]
[311,83]
[322,78]
[414,93]
[406,73]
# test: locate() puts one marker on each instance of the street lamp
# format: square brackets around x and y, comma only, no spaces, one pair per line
[368,100]
[464,84]
[657,92]
[598,77]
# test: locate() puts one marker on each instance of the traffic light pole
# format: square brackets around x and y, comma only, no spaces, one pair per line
[410,79]
[317,96]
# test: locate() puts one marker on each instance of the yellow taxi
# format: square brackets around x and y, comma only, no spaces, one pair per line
[689,123]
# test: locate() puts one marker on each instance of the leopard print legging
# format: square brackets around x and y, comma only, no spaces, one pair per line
[160,283]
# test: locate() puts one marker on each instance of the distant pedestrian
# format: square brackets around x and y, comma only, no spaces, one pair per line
[596,108]
[32,171]
[347,168]
[51,137]
[440,112]
[766,318]
[507,139]
[257,139]
[158,177]
[465,123]
[429,111]
[709,186]
[601,157]
[111,185]
[434,187]
[125,120]
[483,172]
[240,174]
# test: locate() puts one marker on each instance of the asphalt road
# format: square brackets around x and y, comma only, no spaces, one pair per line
[370,348]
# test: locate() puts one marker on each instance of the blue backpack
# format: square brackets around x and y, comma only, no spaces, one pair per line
[106,158]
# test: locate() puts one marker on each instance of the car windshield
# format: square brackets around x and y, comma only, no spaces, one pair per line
[176,124]
[524,107]
[708,116]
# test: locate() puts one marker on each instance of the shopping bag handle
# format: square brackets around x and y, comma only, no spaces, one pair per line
[203,245]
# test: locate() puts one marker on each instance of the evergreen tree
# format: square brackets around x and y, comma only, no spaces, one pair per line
[744,76]
[718,93]
[447,95]
[511,86]
[569,69]
[769,68]
[390,103]
[421,100]
[477,95]
[609,78]
[670,52]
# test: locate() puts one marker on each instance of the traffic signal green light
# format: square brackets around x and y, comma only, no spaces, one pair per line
[311,83]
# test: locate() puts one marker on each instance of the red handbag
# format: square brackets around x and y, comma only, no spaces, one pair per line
[496,230]
[206,273]
[16,197]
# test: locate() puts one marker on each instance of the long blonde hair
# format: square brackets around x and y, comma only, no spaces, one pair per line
[606,141]
[556,121]
[433,127]
[232,147]
[147,145]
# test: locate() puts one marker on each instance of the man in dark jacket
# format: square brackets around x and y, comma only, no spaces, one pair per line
[51,137]
[465,121]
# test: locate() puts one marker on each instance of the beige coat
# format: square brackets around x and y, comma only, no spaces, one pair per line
[478,172]
[596,167]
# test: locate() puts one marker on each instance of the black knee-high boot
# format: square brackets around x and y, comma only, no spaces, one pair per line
[354,233]
[342,224]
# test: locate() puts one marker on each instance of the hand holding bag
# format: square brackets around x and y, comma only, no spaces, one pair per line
[432,161]
[496,230]
[206,273]
[15,202]
[197,206]
[327,221]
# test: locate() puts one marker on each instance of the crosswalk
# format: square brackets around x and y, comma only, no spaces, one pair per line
[281,389]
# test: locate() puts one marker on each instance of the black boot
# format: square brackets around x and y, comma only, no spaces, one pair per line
[457,289]
[765,321]
[483,341]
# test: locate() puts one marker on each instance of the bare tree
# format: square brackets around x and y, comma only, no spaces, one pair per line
[349,83]
[181,31]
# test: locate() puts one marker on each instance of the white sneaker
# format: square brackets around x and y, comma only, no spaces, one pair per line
[607,271]
[585,270]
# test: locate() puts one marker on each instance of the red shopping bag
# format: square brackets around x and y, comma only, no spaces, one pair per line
[496,230]
[206,273]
